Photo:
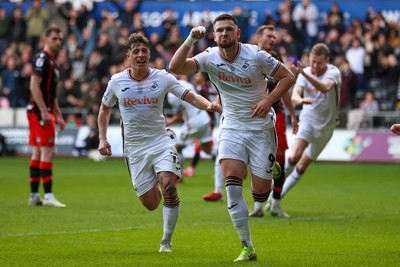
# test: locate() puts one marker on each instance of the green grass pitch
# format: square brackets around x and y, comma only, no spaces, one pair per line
[341,215]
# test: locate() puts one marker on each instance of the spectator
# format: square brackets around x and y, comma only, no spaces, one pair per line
[92,91]
[80,16]
[105,47]
[169,20]
[64,64]
[364,115]
[371,61]
[91,142]
[173,41]
[137,23]
[58,14]
[286,6]
[242,16]
[36,18]
[394,35]
[378,26]
[306,15]
[129,11]
[96,67]
[72,44]
[23,92]
[86,37]
[156,48]
[11,78]
[347,91]
[78,65]
[5,22]
[334,19]
[355,56]
[19,26]
[332,41]
[285,22]
[69,94]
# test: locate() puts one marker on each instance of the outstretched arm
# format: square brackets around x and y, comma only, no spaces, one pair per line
[179,63]
[201,102]
[323,86]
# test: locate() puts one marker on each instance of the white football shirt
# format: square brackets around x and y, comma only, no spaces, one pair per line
[323,112]
[192,116]
[241,83]
[141,105]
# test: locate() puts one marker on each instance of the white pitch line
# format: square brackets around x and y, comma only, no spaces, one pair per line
[336,217]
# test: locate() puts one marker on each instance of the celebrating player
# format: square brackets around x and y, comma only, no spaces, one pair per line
[238,73]
[149,149]
[318,88]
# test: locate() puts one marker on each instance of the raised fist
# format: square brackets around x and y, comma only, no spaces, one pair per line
[198,32]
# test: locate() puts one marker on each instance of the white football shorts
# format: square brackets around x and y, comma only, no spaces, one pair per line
[143,168]
[202,133]
[316,139]
[257,149]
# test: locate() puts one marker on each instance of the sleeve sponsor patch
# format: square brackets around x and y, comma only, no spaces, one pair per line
[39,62]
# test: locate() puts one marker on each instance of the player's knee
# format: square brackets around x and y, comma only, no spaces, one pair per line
[152,206]
[170,188]
[294,159]
[206,148]
[179,148]
[301,168]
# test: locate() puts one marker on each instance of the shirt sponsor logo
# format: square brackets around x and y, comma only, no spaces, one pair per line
[140,101]
[233,78]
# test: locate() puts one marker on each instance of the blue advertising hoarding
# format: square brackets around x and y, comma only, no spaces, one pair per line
[190,13]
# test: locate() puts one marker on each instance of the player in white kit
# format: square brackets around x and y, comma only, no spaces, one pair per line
[196,124]
[318,88]
[149,149]
[247,137]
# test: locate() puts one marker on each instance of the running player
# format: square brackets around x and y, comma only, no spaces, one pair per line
[149,149]
[317,88]
[238,73]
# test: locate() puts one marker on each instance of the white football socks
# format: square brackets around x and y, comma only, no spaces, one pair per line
[239,213]
[290,181]
[219,178]
[170,217]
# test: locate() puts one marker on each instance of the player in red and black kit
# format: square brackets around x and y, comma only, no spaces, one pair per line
[266,41]
[43,114]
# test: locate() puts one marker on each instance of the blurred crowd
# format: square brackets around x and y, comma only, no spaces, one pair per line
[366,50]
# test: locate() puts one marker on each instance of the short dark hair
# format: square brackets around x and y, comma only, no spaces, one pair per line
[137,38]
[226,17]
[50,29]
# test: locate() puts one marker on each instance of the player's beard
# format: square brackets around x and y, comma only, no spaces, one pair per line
[226,43]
